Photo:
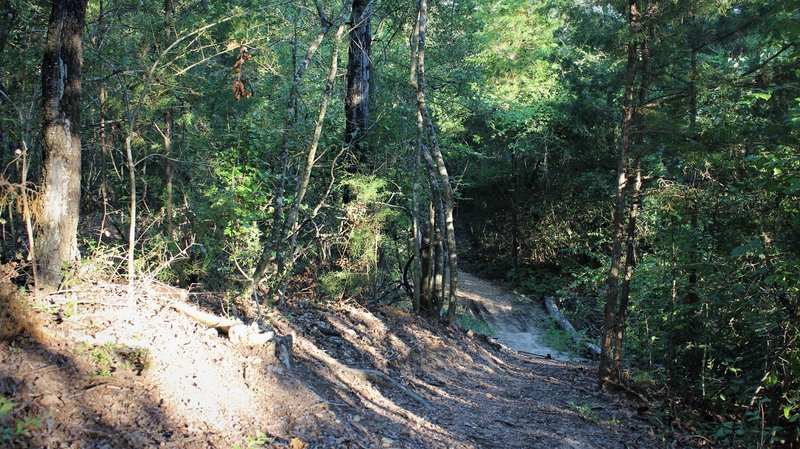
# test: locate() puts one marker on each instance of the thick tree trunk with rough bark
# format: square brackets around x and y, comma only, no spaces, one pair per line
[358,74]
[57,221]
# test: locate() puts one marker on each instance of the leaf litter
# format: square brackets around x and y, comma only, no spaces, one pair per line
[361,376]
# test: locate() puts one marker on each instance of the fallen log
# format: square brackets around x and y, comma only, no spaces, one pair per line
[236,331]
[562,321]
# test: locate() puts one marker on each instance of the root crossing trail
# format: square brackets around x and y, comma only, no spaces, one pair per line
[517,322]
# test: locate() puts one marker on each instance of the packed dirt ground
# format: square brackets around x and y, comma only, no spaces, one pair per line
[89,368]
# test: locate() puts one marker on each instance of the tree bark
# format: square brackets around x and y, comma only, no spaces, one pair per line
[606,372]
[514,218]
[169,207]
[422,244]
[418,81]
[277,238]
[694,205]
[103,160]
[132,224]
[358,77]
[563,322]
[633,214]
[291,227]
[630,260]
[57,226]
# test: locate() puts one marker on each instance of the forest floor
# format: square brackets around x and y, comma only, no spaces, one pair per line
[90,368]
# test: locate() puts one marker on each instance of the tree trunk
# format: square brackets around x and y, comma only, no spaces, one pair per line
[514,218]
[427,267]
[57,226]
[416,230]
[630,260]
[694,206]
[418,81]
[606,372]
[290,227]
[103,160]
[358,74]
[102,136]
[169,207]
[277,244]
[437,230]
[132,224]
[422,243]
[630,239]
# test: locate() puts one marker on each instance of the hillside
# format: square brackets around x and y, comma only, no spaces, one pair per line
[91,370]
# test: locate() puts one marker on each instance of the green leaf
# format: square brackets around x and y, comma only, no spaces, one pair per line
[762,95]
[5,406]
[772,379]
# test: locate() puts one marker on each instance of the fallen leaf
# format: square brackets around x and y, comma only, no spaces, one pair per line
[297,443]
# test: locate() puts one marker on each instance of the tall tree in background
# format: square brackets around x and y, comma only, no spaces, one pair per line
[167,132]
[57,222]
[607,374]
[633,211]
[358,74]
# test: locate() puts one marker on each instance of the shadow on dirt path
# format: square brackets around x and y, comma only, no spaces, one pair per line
[517,322]
[363,377]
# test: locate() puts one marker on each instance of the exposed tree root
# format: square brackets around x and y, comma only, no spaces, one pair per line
[236,331]
[644,404]
[380,378]
[345,373]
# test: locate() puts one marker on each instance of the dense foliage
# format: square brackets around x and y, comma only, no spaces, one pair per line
[527,102]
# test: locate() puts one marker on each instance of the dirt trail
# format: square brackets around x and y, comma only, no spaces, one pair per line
[363,377]
[517,323]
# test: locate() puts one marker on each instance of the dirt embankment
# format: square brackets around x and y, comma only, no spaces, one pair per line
[95,371]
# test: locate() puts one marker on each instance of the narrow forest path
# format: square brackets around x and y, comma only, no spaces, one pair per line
[113,374]
[516,321]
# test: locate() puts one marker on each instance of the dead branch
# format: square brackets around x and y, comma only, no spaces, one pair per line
[236,331]
[562,321]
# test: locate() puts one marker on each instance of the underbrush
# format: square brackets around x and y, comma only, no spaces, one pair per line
[467,319]
[16,424]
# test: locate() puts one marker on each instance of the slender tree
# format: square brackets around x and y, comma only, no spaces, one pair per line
[291,226]
[57,224]
[167,132]
[633,211]
[280,230]
[433,156]
[606,371]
